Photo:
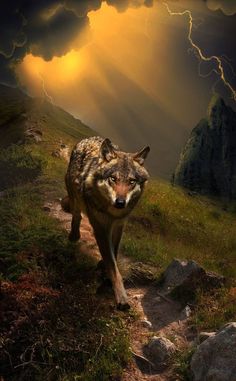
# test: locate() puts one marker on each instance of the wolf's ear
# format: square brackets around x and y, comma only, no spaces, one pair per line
[107,150]
[140,156]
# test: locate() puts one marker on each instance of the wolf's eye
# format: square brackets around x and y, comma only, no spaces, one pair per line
[112,179]
[132,181]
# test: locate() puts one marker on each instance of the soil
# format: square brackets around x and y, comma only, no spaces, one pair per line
[166,316]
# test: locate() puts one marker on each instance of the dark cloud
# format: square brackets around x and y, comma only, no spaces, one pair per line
[53,37]
[122,5]
[228,7]
[45,28]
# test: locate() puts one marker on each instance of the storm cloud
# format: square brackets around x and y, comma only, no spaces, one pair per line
[46,28]
[228,7]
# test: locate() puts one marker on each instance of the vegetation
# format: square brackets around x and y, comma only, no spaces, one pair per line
[172,223]
[54,326]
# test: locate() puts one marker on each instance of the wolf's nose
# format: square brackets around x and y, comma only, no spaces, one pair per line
[120,203]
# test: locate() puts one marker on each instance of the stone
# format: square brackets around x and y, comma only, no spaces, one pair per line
[46,208]
[34,134]
[159,350]
[205,335]
[182,278]
[186,312]
[62,152]
[141,273]
[207,164]
[146,323]
[215,358]
[178,271]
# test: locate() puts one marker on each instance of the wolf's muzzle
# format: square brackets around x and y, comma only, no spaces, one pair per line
[120,203]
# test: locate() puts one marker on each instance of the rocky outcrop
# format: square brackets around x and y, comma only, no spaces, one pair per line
[215,358]
[188,275]
[208,162]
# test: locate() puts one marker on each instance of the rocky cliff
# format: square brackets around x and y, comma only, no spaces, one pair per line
[208,161]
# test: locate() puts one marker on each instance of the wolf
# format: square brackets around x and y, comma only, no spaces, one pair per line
[105,184]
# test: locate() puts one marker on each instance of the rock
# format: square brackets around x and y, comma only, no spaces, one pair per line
[46,208]
[215,358]
[178,271]
[62,152]
[160,350]
[207,163]
[146,323]
[182,278]
[205,335]
[34,134]
[186,312]
[56,153]
[142,274]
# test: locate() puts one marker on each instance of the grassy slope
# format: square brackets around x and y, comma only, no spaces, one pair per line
[54,326]
[171,223]
[53,322]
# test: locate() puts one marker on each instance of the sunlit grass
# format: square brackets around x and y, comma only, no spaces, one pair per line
[170,223]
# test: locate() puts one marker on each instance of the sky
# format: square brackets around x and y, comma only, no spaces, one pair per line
[130,69]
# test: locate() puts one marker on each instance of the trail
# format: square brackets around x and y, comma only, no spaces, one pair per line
[165,315]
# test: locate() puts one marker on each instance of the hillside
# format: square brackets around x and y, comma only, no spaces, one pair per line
[32,125]
[208,161]
[56,325]
[19,113]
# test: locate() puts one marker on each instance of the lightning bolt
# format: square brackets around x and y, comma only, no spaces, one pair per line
[218,60]
[48,96]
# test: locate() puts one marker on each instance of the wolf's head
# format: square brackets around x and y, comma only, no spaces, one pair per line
[121,176]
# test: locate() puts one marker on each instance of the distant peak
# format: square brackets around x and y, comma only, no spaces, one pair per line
[216,103]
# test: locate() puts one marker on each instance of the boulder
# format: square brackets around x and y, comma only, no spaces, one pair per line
[159,350]
[178,272]
[182,278]
[215,358]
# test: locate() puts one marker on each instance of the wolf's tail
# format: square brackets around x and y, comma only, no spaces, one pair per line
[65,204]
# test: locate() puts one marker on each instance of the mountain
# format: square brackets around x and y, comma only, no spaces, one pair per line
[58,320]
[31,131]
[208,161]
[20,114]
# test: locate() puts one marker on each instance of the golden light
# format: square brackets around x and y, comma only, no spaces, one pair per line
[128,81]
[57,73]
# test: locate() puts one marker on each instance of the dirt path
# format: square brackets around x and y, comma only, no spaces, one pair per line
[157,315]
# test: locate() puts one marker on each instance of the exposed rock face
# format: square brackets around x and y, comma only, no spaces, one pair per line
[208,162]
[215,358]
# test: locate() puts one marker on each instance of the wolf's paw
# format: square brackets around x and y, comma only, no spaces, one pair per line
[125,306]
[65,204]
[74,237]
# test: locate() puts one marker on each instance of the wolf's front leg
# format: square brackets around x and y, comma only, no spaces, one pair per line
[103,237]
[116,237]
[75,226]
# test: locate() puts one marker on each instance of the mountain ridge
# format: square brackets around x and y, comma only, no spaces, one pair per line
[207,163]
[19,112]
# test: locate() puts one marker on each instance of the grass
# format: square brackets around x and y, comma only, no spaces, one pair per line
[170,223]
[181,365]
[55,327]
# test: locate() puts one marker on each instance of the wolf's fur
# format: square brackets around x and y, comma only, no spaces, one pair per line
[105,183]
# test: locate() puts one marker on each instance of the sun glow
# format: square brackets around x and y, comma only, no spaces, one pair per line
[129,81]
[57,73]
